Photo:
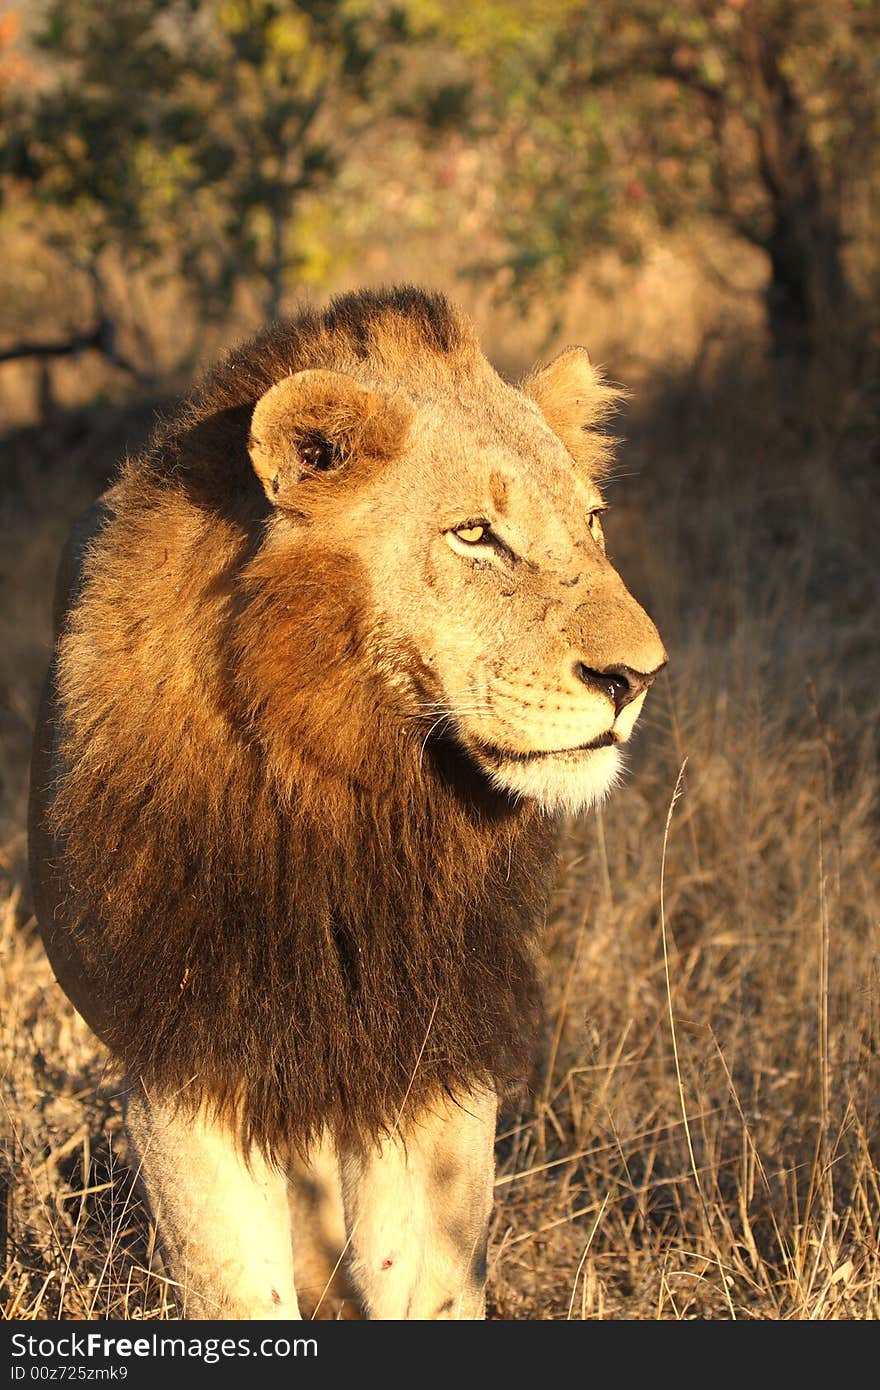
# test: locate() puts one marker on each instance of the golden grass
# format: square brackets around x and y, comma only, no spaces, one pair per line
[700,1138]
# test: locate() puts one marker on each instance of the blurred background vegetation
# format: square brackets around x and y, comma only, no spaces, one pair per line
[175,170]
[689,188]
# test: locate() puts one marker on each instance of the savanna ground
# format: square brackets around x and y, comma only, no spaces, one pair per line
[700,1138]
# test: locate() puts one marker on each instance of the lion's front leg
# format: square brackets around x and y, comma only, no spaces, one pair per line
[417,1209]
[317,1226]
[223,1223]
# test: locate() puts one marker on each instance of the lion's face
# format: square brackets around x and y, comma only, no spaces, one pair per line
[476,514]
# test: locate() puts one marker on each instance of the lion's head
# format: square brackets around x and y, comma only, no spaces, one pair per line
[473,510]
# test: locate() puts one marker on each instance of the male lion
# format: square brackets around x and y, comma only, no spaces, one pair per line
[331,656]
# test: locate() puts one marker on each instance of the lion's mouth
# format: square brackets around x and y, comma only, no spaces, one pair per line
[494,753]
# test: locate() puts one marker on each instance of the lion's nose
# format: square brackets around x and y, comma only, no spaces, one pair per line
[621,684]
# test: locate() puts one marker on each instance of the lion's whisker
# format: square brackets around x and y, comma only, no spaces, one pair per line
[434,726]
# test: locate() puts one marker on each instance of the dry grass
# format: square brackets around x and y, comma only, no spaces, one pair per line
[701,1135]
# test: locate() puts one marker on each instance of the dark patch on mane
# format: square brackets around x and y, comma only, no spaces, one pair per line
[354,316]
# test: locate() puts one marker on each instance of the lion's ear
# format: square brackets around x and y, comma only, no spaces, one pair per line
[316,422]
[576,402]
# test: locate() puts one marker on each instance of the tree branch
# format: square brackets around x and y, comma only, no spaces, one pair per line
[654,61]
[99,339]
[65,348]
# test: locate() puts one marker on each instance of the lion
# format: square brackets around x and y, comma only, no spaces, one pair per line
[333,657]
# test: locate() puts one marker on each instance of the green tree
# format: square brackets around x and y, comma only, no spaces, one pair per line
[278,92]
[181,135]
[759,113]
[87,145]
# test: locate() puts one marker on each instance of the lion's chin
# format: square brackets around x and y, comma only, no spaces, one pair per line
[559,782]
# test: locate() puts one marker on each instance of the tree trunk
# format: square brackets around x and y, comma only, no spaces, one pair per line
[276,267]
[808,291]
[807,294]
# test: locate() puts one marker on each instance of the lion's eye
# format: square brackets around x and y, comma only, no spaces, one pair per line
[471,534]
[594,521]
[478,536]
